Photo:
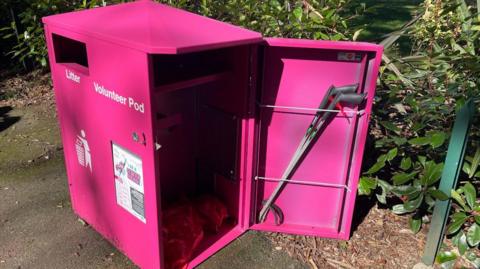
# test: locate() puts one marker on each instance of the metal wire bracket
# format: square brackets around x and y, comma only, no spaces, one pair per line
[360,112]
[305,182]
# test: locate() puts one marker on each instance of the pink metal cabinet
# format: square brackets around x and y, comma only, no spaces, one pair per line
[156,103]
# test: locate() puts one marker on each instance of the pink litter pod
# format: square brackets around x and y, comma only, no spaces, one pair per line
[156,103]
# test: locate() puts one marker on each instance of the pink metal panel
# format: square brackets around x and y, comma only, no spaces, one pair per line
[323,44]
[297,73]
[90,123]
[153,28]
[360,137]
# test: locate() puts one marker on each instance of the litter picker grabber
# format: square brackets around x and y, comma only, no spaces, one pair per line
[332,91]
[343,95]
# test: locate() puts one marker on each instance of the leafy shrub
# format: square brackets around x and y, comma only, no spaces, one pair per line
[413,116]
[298,19]
[26,31]
[294,18]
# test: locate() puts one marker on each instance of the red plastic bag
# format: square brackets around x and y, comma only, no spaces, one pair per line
[184,224]
[183,232]
[212,211]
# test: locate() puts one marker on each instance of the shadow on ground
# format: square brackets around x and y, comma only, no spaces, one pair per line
[5,119]
[253,251]
[363,205]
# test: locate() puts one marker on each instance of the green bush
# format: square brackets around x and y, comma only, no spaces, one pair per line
[25,31]
[295,18]
[414,113]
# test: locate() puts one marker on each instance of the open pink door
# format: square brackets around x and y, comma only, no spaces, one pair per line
[320,196]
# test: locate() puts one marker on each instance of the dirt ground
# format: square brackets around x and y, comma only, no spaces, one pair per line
[382,240]
[39,230]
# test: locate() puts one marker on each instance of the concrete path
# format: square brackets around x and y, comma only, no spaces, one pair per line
[37,226]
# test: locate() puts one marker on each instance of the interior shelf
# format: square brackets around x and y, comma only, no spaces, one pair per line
[192,82]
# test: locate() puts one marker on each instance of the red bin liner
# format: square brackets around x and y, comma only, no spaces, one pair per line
[183,232]
[212,211]
[184,226]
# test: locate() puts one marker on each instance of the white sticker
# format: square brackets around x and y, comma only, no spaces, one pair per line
[129,181]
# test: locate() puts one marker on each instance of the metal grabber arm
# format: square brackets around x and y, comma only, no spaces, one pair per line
[343,96]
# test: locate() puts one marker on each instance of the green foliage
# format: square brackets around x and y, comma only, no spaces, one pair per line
[415,121]
[296,19]
[446,257]
[464,227]
[471,165]
[414,184]
[414,114]
[26,31]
